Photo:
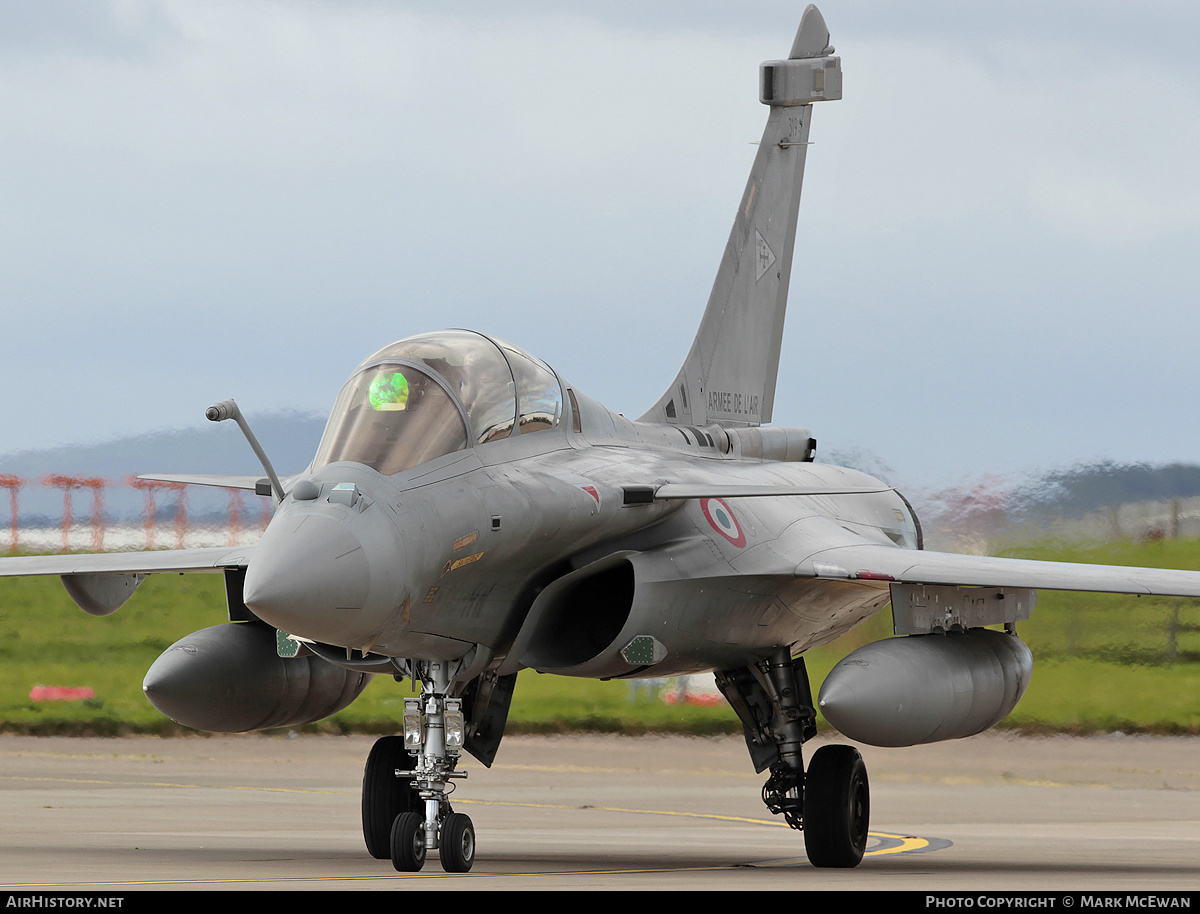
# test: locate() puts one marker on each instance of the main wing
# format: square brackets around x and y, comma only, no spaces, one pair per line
[100,583]
[213,558]
[868,561]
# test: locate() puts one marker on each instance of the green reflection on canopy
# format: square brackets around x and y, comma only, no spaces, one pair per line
[389,392]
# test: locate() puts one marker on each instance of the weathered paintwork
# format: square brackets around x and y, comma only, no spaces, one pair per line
[456,555]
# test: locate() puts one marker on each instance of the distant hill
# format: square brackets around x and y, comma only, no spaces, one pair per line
[1094,501]
[290,440]
[1080,490]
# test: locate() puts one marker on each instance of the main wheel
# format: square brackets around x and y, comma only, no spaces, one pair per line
[385,796]
[408,842]
[837,807]
[457,846]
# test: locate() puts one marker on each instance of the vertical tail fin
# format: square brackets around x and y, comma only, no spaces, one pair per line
[729,374]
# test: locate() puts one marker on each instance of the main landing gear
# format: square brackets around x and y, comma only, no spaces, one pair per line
[831,802]
[406,785]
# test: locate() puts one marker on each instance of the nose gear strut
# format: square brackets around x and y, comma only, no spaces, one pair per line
[433,735]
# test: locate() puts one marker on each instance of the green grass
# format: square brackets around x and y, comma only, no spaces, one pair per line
[1119,629]
[1101,662]
[1108,662]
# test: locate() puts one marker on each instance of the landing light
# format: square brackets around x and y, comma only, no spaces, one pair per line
[414,732]
[455,725]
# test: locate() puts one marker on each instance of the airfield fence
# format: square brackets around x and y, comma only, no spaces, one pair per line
[165,519]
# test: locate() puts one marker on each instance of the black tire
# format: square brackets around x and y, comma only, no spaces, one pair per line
[457,845]
[408,842]
[837,807]
[385,796]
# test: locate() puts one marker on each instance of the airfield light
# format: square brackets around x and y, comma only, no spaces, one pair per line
[12,483]
[67,484]
[150,486]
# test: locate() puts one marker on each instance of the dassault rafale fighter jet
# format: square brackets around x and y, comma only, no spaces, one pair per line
[469,514]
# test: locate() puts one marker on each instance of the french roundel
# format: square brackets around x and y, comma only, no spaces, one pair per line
[720,518]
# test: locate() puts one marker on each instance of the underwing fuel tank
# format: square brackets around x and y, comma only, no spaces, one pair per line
[230,679]
[926,688]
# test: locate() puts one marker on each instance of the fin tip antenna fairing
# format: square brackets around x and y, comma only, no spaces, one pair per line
[812,36]
[729,374]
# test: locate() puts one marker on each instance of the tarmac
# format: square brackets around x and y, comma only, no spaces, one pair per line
[993,813]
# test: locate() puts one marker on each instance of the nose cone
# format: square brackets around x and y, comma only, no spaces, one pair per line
[308,576]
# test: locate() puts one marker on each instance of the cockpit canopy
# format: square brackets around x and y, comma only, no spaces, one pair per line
[434,394]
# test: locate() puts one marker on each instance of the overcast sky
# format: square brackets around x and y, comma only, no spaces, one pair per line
[996,270]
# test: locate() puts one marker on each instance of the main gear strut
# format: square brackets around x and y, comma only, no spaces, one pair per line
[830,802]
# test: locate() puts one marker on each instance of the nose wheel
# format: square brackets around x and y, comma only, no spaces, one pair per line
[457,844]
[407,842]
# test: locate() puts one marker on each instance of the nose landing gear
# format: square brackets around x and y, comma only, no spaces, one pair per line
[406,786]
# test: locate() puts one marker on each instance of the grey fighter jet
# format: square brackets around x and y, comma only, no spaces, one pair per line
[469,514]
